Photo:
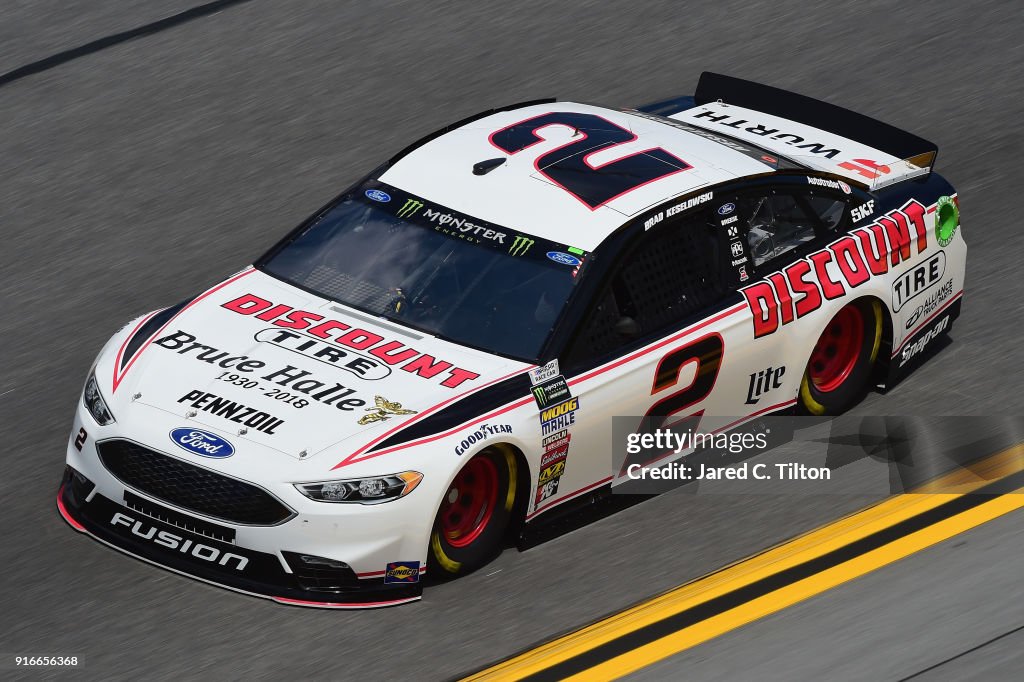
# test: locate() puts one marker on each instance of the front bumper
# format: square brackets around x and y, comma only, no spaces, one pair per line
[143,533]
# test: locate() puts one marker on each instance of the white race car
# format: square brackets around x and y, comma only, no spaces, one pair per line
[430,363]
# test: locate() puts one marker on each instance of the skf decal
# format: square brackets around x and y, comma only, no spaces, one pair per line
[481,434]
[800,288]
[863,211]
[402,572]
[394,353]
[558,417]
[383,410]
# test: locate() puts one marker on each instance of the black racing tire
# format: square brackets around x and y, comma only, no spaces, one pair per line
[842,362]
[472,522]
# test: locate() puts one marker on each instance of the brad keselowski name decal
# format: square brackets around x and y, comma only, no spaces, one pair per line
[800,288]
[394,353]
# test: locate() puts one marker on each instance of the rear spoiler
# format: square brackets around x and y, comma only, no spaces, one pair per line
[825,137]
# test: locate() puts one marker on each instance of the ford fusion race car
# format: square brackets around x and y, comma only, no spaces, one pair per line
[431,361]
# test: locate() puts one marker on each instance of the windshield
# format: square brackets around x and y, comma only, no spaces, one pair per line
[400,257]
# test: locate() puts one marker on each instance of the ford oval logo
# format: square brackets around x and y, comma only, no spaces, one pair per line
[563,258]
[726,209]
[378,195]
[202,443]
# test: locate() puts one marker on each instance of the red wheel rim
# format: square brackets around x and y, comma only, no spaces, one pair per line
[836,353]
[469,504]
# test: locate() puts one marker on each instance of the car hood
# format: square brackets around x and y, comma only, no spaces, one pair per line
[266,362]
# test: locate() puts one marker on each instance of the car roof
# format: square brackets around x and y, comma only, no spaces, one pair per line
[516,194]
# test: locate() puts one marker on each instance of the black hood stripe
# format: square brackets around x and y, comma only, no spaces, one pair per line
[151,327]
[462,410]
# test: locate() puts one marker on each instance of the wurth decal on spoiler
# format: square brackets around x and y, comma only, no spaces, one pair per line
[394,353]
[800,288]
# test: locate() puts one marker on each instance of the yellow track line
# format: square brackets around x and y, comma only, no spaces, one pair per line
[745,572]
[801,590]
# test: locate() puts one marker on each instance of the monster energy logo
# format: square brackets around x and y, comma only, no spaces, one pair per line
[409,208]
[541,396]
[520,245]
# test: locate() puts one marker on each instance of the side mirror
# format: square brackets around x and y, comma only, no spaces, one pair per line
[627,327]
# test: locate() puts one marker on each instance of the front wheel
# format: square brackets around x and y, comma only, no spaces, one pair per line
[474,516]
[841,364]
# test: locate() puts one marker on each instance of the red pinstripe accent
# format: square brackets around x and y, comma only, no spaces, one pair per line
[525,401]
[739,307]
[429,439]
[352,458]
[566,498]
[369,574]
[117,362]
[67,515]
[577,493]
[931,317]
[341,605]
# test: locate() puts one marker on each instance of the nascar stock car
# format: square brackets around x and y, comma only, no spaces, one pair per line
[430,363]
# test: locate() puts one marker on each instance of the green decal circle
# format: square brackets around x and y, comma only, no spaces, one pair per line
[947,219]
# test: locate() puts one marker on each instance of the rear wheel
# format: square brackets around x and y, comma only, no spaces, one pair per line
[840,368]
[474,516]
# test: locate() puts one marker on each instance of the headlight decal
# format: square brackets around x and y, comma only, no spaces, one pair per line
[93,401]
[368,490]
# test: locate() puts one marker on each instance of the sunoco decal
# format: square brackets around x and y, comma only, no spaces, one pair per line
[402,572]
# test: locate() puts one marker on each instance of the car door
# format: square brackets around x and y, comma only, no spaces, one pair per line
[668,338]
[648,344]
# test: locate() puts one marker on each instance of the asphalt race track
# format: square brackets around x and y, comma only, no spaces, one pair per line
[140,162]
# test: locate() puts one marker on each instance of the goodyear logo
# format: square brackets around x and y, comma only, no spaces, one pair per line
[559,409]
[402,572]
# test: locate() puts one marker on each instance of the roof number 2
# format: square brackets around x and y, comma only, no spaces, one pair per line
[568,165]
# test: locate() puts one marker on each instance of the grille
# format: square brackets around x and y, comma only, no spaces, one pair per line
[175,518]
[191,487]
